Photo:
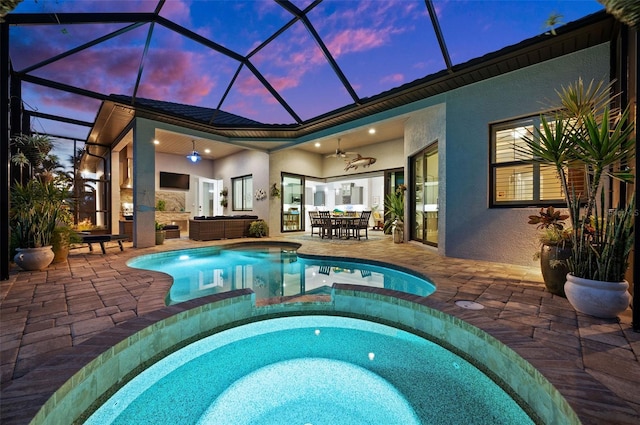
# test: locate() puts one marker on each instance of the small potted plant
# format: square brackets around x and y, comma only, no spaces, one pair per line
[160,233]
[64,235]
[258,228]
[223,197]
[275,191]
[555,248]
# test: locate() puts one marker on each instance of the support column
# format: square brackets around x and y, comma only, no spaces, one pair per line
[144,184]
[635,320]
[5,151]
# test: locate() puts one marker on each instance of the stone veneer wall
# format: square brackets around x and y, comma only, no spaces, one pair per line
[174,201]
[174,327]
[179,218]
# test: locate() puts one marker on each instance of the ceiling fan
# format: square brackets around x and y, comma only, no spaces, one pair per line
[340,153]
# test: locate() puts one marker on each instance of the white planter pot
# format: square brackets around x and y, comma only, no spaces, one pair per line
[596,298]
[398,232]
[31,259]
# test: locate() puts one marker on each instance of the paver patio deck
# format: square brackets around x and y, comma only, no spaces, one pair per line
[593,362]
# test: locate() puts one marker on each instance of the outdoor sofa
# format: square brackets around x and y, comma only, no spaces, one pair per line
[220,227]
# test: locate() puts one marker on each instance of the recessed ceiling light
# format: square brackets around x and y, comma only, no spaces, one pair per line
[317,144]
[372,131]
[207,151]
[156,142]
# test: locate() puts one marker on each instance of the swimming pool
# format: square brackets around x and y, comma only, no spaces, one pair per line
[311,370]
[270,271]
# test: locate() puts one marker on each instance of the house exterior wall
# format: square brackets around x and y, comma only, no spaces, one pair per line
[421,130]
[292,161]
[459,121]
[472,229]
[249,162]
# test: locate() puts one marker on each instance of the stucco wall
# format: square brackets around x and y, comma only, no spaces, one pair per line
[388,155]
[423,129]
[472,229]
[289,161]
[245,163]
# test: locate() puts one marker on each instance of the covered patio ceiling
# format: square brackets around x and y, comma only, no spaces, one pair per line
[293,70]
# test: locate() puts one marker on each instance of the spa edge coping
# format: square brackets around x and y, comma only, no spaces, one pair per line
[67,371]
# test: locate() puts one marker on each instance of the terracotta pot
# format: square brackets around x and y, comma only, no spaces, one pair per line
[597,298]
[554,268]
[31,259]
[61,253]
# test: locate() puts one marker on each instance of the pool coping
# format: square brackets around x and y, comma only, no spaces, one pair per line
[71,381]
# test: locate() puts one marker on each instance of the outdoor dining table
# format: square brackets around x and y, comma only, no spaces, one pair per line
[342,223]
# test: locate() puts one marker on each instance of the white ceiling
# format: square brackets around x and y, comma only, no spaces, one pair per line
[351,140]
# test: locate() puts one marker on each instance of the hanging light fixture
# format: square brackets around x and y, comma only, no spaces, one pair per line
[194,156]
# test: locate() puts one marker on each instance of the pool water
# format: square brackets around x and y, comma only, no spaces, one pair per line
[270,271]
[311,370]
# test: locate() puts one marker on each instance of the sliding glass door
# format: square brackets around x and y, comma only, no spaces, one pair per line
[292,202]
[424,180]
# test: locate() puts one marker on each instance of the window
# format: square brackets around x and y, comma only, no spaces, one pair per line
[517,180]
[242,188]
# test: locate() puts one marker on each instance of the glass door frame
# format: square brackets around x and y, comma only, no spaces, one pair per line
[285,207]
[429,150]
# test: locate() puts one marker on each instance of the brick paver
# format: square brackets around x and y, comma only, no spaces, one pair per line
[44,312]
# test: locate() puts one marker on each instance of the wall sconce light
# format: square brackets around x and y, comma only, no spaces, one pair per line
[194,156]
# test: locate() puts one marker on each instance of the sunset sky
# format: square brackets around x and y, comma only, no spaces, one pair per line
[377,44]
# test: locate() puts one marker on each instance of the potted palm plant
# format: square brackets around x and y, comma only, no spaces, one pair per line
[35,209]
[394,213]
[586,135]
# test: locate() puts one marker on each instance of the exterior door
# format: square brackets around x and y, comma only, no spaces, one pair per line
[208,198]
[425,205]
[293,202]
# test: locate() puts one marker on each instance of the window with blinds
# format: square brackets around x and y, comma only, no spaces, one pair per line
[516,178]
[242,193]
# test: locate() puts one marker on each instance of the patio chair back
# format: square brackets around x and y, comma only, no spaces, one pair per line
[327,226]
[316,222]
[362,224]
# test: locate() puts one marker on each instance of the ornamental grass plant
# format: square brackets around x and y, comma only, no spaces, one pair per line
[586,135]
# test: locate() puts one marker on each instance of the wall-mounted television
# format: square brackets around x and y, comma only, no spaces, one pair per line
[174,180]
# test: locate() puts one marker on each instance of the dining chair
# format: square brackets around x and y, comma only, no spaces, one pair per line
[327,224]
[316,222]
[361,224]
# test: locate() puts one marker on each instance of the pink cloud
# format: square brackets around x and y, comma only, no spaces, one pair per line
[178,11]
[184,78]
[250,86]
[52,101]
[356,40]
[394,78]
